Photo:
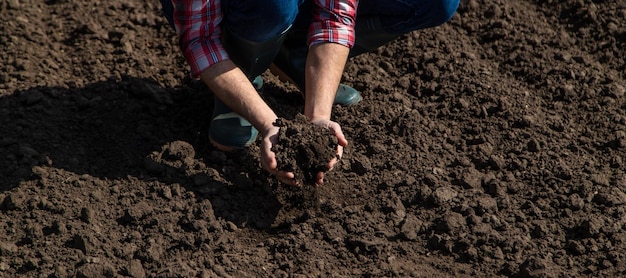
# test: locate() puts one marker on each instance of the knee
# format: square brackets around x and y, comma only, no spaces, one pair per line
[261,20]
[273,20]
[444,11]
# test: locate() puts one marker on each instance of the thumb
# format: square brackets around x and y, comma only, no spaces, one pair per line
[341,138]
[268,158]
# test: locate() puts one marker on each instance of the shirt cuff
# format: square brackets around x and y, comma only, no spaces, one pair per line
[203,53]
[331,31]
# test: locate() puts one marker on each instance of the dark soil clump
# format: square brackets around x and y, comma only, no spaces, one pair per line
[304,148]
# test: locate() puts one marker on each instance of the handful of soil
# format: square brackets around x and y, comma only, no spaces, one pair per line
[304,148]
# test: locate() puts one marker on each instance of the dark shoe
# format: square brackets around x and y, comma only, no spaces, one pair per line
[258,83]
[228,130]
[289,66]
[345,95]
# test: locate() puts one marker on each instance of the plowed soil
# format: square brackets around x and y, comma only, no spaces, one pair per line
[493,145]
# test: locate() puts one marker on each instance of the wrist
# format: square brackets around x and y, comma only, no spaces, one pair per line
[268,128]
[316,118]
[318,108]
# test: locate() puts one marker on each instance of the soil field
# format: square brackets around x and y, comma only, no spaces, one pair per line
[493,145]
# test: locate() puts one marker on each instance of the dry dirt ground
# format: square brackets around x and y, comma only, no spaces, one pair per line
[494,145]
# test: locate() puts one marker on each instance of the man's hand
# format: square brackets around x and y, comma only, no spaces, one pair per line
[335,128]
[268,158]
[324,67]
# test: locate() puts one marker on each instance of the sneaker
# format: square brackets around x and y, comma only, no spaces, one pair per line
[229,131]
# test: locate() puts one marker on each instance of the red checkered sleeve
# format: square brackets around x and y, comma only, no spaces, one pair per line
[197,25]
[333,21]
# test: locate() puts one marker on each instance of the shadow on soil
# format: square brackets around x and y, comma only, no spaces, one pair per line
[132,128]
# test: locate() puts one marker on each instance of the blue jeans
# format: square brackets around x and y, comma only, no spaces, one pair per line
[261,20]
[404,16]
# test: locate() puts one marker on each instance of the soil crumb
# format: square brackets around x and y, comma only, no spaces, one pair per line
[304,148]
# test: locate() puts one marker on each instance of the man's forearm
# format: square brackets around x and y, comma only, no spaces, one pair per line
[324,68]
[232,86]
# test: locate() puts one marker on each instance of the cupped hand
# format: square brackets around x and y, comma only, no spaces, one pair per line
[268,158]
[335,128]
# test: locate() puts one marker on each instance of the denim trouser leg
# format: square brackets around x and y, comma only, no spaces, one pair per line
[404,16]
[253,20]
[168,11]
[397,16]
[257,20]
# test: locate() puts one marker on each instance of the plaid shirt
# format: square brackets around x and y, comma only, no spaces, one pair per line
[198,26]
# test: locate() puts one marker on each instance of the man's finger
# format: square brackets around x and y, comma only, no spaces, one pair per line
[320,179]
[287,177]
